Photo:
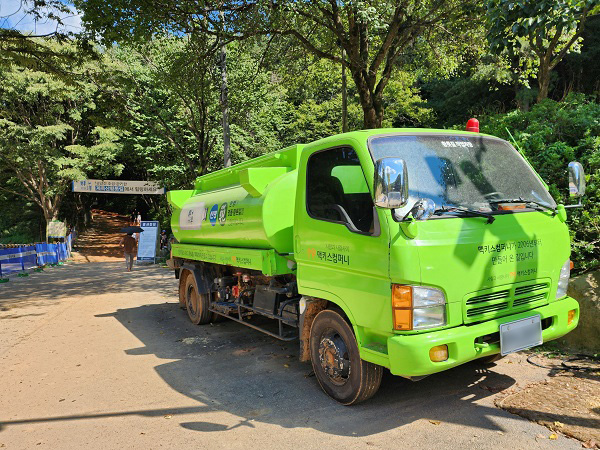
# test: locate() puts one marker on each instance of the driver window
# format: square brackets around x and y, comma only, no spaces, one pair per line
[336,189]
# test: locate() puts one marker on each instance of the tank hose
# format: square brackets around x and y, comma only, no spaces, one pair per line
[566,363]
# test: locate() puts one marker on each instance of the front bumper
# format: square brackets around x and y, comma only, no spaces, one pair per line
[409,354]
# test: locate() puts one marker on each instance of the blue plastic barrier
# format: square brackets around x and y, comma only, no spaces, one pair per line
[44,254]
[52,254]
[29,259]
[16,259]
[69,244]
[62,251]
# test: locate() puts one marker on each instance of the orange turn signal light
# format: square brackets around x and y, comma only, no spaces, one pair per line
[510,206]
[571,265]
[401,296]
[571,316]
[438,353]
[402,307]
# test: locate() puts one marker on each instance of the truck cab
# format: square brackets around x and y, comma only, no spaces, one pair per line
[407,249]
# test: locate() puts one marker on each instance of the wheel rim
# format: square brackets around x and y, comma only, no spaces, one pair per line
[192,300]
[334,357]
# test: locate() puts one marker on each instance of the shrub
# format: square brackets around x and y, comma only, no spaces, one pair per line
[551,135]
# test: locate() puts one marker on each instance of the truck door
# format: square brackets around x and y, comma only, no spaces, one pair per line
[341,240]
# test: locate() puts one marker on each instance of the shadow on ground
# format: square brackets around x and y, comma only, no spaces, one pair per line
[79,280]
[232,368]
[229,367]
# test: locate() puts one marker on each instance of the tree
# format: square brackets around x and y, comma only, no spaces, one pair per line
[21,43]
[47,138]
[373,34]
[551,29]
[168,95]
[169,105]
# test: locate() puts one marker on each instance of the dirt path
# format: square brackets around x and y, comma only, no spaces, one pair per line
[100,242]
[94,357]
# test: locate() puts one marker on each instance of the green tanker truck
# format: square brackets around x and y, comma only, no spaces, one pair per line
[407,249]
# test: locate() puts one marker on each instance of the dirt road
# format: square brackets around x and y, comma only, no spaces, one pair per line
[100,242]
[94,357]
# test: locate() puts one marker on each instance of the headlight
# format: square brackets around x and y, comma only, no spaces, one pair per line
[429,308]
[563,280]
[429,317]
[417,307]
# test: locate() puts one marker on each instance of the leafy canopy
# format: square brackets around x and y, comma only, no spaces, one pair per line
[49,135]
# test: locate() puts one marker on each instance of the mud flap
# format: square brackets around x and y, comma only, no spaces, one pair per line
[312,307]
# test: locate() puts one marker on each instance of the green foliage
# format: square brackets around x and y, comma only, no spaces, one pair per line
[373,34]
[551,135]
[21,221]
[581,71]
[538,33]
[403,103]
[457,100]
[46,136]
[168,106]
[510,19]
[167,89]
[314,94]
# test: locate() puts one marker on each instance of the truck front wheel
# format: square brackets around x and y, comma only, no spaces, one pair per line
[336,360]
[196,304]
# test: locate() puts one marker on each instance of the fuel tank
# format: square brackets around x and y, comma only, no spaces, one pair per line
[249,205]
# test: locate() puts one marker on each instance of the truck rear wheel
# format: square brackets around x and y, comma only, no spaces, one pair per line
[336,360]
[196,304]
[182,292]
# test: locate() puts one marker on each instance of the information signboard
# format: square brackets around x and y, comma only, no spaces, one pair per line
[56,229]
[117,187]
[148,240]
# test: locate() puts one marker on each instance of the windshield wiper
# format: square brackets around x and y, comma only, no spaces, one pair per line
[464,212]
[522,200]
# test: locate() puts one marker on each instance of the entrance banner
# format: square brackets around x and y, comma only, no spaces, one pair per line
[117,187]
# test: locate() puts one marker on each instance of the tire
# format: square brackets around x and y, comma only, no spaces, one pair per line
[182,278]
[489,359]
[196,304]
[336,361]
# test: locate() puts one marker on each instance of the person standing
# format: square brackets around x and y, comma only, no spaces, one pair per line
[163,239]
[139,219]
[129,245]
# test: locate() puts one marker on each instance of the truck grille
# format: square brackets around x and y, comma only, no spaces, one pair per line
[504,300]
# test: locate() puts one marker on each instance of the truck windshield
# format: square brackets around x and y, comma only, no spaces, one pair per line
[463,171]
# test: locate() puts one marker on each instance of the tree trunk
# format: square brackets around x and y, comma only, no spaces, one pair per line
[543,81]
[372,115]
[372,104]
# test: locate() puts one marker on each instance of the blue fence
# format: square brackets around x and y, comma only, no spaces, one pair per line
[20,258]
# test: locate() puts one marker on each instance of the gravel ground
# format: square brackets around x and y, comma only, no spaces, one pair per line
[94,357]
[568,402]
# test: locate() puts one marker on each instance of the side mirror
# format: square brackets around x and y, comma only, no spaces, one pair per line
[576,179]
[390,185]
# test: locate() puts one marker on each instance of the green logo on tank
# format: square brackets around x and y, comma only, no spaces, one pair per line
[223,213]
